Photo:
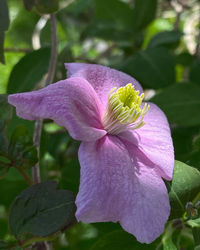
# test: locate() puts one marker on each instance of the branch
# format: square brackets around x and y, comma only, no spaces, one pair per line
[49,80]
[25,175]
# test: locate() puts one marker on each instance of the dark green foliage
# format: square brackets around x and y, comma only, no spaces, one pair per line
[21,150]
[4,24]
[4,16]
[166,39]
[41,210]
[46,6]
[143,38]
[120,240]
[143,13]
[35,64]
[4,245]
[195,72]
[28,4]
[153,68]
[5,108]
[181,103]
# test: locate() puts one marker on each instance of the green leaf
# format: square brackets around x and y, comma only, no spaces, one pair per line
[114,11]
[3,167]
[194,223]
[70,175]
[78,6]
[29,71]
[153,68]
[41,210]
[46,6]
[184,187]
[21,149]
[4,245]
[119,240]
[2,58]
[106,30]
[3,144]
[4,16]
[169,245]
[112,20]
[4,24]
[5,108]
[144,13]
[184,59]
[10,186]
[181,103]
[28,4]
[166,39]
[194,72]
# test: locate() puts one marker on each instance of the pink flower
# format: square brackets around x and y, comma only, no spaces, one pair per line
[125,152]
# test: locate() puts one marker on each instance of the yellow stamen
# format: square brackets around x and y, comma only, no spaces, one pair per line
[124,109]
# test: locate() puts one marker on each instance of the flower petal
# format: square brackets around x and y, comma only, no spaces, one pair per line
[71,103]
[154,140]
[118,185]
[102,78]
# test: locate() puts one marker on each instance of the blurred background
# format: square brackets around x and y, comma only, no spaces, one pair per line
[155,41]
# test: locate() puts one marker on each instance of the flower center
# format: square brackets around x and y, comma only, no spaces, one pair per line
[124,110]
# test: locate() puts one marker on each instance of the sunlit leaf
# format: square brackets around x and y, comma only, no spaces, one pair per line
[169,245]
[184,187]
[194,223]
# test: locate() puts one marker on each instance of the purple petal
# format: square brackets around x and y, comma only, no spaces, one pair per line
[117,184]
[102,78]
[71,103]
[154,140]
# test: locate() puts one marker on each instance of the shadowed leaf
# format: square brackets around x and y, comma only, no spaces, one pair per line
[41,210]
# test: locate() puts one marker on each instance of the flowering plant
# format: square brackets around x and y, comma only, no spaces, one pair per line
[126,147]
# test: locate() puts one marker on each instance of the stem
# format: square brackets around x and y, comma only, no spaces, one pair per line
[54,54]
[27,178]
[36,140]
[32,240]
[177,21]
[49,80]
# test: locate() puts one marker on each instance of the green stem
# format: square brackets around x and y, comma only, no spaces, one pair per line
[30,241]
[49,80]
